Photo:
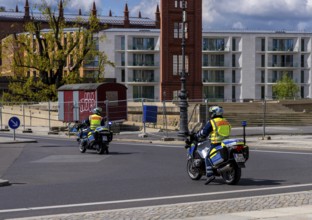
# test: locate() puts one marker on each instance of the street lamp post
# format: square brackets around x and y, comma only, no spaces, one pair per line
[183,93]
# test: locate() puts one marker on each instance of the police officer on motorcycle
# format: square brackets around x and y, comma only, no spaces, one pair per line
[218,129]
[95,120]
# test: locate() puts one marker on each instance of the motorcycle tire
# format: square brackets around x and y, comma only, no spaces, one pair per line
[192,171]
[99,148]
[82,148]
[232,176]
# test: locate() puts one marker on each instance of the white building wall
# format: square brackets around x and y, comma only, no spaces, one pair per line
[247,68]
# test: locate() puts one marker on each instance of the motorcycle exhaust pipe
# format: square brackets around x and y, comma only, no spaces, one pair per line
[225,169]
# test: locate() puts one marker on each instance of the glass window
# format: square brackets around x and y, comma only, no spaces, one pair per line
[178,65]
[214,44]
[233,76]
[262,44]
[146,92]
[178,30]
[214,92]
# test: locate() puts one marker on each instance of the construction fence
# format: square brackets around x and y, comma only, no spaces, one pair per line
[142,113]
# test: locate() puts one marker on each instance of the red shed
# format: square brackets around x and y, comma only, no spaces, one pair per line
[76,101]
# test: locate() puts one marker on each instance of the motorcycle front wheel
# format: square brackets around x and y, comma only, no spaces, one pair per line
[82,148]
[233,175]
[192,171]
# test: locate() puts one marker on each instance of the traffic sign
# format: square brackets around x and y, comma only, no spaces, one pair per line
[14,122]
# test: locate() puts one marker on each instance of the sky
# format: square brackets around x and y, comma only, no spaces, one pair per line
[217,14]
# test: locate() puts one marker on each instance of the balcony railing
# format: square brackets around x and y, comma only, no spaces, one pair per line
[142,79]
[139,47]
[214,64]
[283,64]
[206,48]
[143,64]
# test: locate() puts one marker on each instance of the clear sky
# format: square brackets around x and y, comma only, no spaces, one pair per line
[217,14]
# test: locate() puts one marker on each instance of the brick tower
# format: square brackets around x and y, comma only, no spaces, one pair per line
[171,48]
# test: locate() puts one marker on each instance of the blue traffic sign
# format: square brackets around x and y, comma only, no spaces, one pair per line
[244,123]
[14,122]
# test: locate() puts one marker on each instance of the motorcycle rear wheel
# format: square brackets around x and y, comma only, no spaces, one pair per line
[192,171]
[99,148]
[232,176]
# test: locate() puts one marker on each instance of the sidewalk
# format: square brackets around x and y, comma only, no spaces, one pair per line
[286,206]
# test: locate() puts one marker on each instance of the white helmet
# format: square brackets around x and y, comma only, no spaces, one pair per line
[215,111]
[97,110]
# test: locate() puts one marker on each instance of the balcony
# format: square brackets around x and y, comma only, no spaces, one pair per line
[283,64]
[283,49]
[215,49]
[215,64]
[141,47]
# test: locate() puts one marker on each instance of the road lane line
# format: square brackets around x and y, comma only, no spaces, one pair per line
[150,199]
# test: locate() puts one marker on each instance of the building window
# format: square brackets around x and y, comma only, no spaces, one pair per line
[178,30]
[262,60]
[143,92]
[215,44]
[283,44]
[143,60]
[179,4]
[233,76]
[214,93]
[302,91]
[263,44]
[214,76]
[302,60]
[123,75]
[233,60]
[302,45]
[262,76]
[302,76]
[122,43]
[177,64]
[143,75]
[233,92]
[233,44]
[122,59]
[143,43]
[262,92]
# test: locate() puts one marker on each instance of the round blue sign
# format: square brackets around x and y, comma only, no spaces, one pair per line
[244,123]
[14,122]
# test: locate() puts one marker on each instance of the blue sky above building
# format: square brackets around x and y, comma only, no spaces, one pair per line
[217,14]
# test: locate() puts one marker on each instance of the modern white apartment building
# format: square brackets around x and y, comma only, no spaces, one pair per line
[237,65]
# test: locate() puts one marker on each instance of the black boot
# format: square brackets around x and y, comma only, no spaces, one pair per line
[209,179]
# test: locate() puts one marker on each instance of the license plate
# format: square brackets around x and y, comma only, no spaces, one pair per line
[104,138]
[239,158]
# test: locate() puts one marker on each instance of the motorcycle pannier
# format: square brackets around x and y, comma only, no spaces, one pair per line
[218,155]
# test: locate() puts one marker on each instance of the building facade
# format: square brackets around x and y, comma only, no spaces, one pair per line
[236,65]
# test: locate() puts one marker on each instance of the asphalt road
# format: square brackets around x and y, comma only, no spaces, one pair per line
[52,176]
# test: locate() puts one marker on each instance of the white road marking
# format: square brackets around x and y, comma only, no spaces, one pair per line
[151,199]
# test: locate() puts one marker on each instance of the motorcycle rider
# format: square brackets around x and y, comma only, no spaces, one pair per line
[95,120]
[218,129]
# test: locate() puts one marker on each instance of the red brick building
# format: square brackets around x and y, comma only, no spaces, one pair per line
[171,47]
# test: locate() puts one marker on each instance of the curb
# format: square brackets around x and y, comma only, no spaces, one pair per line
[18,141]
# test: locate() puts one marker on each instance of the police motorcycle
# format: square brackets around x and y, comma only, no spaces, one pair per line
[227,158]
[97,139]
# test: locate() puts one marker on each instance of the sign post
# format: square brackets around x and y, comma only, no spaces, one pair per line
[14,123]
[244,124]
